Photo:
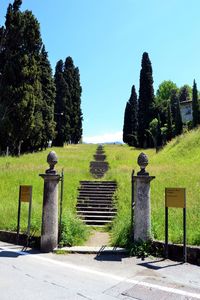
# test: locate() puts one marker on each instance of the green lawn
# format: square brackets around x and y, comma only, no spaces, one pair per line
[175,166]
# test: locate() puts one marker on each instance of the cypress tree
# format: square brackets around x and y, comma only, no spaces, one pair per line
[195,106]
[173,103]
[169,123]
[145,102]
[21,94]
[159,134]
[130,120]
[48,98]
[72,78]
[178,121]
[184,93]
[62,107]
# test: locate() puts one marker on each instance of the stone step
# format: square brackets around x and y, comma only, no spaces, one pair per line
[96,193]
[96,208]
[97,222]
[95,198]
[96,213]
[98,182]
[92,203]
[99,157]
[96,217]
[97,190]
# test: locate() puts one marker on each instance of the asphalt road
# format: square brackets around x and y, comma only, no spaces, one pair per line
[32,275]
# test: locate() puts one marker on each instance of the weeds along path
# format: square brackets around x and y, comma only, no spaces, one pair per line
[95,199]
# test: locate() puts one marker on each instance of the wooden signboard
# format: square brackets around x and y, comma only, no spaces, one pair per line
[175,197]
[25,193]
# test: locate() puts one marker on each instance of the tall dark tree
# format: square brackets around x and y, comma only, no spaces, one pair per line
[184,93]
[159,134]
[26,86]
[169,133]
[146,108]
[62,107]
[130,120]
[72,78]
[178,120]
[21,89]
[48,98]
[173,104]
[195,106]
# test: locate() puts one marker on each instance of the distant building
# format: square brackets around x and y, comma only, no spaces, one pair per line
[186,111]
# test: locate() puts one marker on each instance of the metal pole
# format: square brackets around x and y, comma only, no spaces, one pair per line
[18,216]
[61,203]
[166,232]
[132,204]
[184,236]
[29,218]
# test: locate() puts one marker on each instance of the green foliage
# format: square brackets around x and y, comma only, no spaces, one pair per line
[185,93]
[146,105]
[143,249]
[62,107]
[195,106]
[130,120]
[72,78]
[48,98]
[165,90]
[169,133]
[68,115]
[73,231]
[178,121]
[26,116]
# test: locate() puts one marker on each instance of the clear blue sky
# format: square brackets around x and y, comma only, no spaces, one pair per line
[106,39]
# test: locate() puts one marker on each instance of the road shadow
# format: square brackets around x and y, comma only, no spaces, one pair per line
[152,264]
[109,255]
[15,252]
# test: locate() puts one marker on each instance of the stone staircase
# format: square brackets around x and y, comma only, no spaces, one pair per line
[95,199]
[95,202]
[99,167]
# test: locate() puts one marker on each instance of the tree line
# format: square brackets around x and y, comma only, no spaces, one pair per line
[153,120]
[35,106]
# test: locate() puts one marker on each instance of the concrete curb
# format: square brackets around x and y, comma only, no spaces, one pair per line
[91,250]
[175,251]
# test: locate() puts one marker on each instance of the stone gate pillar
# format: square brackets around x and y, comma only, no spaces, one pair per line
[142,207]
[49,234]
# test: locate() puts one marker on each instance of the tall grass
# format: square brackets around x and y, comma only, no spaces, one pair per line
[177,165]
[26,169]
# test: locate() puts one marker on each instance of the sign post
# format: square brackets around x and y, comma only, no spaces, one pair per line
[25,195]
[175,197]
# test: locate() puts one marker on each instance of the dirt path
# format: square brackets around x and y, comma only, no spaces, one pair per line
[98,238]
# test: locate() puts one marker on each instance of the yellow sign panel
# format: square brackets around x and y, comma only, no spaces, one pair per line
[25,193]
[175,197]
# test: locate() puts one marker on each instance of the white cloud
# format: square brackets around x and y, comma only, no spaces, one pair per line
[104,138]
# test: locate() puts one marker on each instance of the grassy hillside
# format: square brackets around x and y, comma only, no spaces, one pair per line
[175,166]
[26,169]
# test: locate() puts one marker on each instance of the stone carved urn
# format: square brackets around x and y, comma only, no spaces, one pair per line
[142,162]
[52,160]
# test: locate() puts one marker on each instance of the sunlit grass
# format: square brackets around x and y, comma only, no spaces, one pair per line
[177,165]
